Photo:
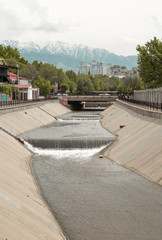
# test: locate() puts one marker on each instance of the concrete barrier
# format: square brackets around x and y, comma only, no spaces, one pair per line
[139,143]
[141,110]
[23,213]
[26,119]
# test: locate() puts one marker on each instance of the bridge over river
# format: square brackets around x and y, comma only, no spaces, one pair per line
[78,102]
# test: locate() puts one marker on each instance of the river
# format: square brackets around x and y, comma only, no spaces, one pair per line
[91,197]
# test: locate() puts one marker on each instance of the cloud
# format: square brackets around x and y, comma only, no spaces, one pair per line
[9,20]
[157,23]
[40,18]
[27,19]
[51,27]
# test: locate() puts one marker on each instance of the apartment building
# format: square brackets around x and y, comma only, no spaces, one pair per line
[84,68]
[117,71]
[94,68]
[134,72]
[99,68]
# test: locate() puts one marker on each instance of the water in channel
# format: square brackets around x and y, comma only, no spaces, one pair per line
[91,197]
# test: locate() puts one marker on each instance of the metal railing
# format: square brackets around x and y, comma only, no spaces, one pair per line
[10,103]
[144,104]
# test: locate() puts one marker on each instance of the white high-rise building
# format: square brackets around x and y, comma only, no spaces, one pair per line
[97,68]
[84,68]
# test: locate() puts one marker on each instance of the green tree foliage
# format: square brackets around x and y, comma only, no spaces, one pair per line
[37,65]
[8,89]
[61,77]
[64,87]
[5,88]
[29,71]
[48,71]
[12,57]
[43,85]
[84,84]
[72,87]
[71,75]
[110,83]
[120,88]
[97,83]
[150,63]
[129,84]
[11,53]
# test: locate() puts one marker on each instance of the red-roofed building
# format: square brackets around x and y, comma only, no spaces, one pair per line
[4,71]
[26,92]
[14,79]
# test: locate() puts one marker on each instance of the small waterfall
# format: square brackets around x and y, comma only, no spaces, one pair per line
[80,118]
[75,119]
[69,143]
[77,155]
[73,136]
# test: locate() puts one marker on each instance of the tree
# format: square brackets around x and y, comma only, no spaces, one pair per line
[29,71]
[44,86]
[12,57]
[120,88]
[98,83]
[37,65]
[64,87]
[150,63]
[129,84]
[61,77]
[84,85]
[71,75]
[5,88]
[11,53]
[48,71]
[112,83]
[72,87]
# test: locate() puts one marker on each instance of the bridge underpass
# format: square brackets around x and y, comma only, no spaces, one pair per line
[78,102]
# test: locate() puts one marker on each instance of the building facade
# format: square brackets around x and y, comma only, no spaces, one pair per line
[24,86]
[25,89]
[94,68]
[117,71]
[97,68]
[4,71]
[84,68]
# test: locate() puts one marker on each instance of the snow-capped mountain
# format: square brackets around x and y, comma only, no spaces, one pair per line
[21,46]
[68,56]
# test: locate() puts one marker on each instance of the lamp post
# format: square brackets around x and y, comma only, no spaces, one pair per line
[55,85]
[18,81]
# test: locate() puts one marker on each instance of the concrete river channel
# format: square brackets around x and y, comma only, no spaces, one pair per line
[91,197]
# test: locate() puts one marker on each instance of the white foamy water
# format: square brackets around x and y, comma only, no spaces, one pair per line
[73,154]
[75,120]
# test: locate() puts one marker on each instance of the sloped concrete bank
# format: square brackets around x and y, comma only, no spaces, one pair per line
[139,143]
[23,213]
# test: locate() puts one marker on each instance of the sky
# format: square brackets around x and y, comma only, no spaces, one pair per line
[117,25]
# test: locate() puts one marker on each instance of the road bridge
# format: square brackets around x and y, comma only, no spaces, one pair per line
[78,102]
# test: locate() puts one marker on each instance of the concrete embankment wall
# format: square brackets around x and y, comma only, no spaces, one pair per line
[139,143]
[17,122]
[23,213]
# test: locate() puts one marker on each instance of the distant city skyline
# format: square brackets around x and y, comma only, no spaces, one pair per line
[117,26]
[100,68]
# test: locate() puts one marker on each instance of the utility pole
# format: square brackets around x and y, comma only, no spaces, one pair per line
[18,82]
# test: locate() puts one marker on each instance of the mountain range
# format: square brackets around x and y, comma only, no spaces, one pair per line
[68,56]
